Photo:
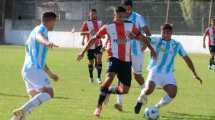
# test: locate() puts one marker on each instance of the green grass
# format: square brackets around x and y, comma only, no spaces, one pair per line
[75,98]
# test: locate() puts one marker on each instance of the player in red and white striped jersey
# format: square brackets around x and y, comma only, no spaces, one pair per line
[94,54]
[210,33]
[119,55]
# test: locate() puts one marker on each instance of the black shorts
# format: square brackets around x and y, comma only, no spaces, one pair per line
[121,68]
[212,49]
[91,53]
[98,50]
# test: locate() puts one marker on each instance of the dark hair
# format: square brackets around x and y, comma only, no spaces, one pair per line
[213,19]
[128,3]
[166,26]
[48,16]
[93,10]
[120,9]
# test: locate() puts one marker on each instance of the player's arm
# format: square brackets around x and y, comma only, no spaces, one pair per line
[92,40]
[189,63]
[44,41]
[204,37]
[50,73]
[141,37]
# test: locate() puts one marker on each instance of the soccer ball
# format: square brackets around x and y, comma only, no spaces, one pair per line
[151,113]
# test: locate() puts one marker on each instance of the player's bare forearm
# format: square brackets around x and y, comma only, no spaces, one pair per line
[146,42]
[41,39]
[89,44]
[47,70]
[50,73]
[191,67]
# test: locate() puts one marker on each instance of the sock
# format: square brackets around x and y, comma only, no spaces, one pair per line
[90,68]
[211,61]
[114,90]
[35,101]
[99,70]
[119,99]
[141,86]
[164,101]
[102,96]
[143,97]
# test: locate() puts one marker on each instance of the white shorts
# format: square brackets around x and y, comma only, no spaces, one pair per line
[137,63]
[161,79]
[35,79]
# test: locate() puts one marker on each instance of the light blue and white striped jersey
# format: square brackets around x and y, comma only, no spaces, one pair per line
[139,22]
[166,53]
[35,51]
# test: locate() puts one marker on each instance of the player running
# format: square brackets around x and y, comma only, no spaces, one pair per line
[35,70]
[161,70]
[94,53]
[119,55]
[136,49]
[210,33]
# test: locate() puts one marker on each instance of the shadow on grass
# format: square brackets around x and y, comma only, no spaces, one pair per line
[25,96]
[183,116]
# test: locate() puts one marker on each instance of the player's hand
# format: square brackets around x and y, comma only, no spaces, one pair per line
[52,45]
[54,76]
[197,78]
[204,46]
[80,56]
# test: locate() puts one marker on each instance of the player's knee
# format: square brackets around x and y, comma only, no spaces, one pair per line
[172,94]
[139,79]
[49,91]
[104,90]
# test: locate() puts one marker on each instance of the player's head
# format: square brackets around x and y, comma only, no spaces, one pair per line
[166,31]
[93,14]
[49,20]
[128,4]
[119,13]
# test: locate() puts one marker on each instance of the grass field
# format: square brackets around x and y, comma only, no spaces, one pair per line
[75,98]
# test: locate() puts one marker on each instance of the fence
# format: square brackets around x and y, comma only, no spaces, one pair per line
[73,12]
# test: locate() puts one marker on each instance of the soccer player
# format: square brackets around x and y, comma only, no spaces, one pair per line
[210,32]
[119,55]
[161,70]
[137,48]
[94,54]
[35,71]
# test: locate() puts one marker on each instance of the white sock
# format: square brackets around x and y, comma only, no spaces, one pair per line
[119,99]
[164,101]
[35,101]
[143,97]
[141,86]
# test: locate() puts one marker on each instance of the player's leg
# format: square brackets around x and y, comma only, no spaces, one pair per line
[137,64]
[90,56]
[112,66]
[124,83]
[39,90]
[170,87]
[212,53]
[212,58]
[37,98]
[151,83]
[171,91]
[145,92]
[99,63]
[104,92]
